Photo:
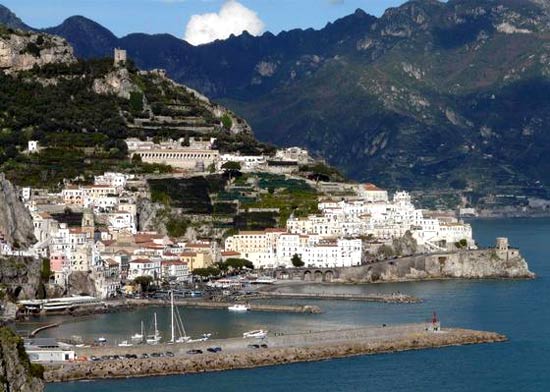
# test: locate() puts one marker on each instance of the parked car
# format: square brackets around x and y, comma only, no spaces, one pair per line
[254,346]
[263,345]
[169,354]
[145,355]
[194,352]
[214,349]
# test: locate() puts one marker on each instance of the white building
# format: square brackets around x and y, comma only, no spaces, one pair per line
[145,267]
[275,247]
[32,146]
[175,270]
[112,179]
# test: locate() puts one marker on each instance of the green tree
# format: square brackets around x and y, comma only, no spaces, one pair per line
[297,261]
[206,272]
[144,282]
[231,165]
[237,264]
[226,121]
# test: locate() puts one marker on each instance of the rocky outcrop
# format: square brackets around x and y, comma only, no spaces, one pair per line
[15,221]
[471,264]
[117,82]
[22,51]
[16,372]
[149,216]
[21,277]
[81,283]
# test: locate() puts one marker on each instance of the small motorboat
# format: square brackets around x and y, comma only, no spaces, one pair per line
[256,334]
[238,308]
[102,339]
[125,343]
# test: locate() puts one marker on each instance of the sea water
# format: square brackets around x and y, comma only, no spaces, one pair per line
[518,309]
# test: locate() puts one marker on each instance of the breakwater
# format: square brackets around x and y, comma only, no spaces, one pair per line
[389,298]
[205,304]
[236,354]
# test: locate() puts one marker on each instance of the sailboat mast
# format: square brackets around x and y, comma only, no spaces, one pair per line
[156,327]
[172,314]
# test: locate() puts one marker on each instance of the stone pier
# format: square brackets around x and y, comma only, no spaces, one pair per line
[282,349]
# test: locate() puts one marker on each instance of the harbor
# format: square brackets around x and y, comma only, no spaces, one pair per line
[239,353]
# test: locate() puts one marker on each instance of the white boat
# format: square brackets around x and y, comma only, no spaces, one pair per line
[256,334]
[204,338]
[177,324]
[264,280]
[125,343]
[239,308]
[138,337]
[101,339]
[155,338]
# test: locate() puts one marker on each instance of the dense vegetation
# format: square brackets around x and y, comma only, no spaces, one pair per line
[429,95]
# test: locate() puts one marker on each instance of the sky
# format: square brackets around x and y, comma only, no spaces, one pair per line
[197,21]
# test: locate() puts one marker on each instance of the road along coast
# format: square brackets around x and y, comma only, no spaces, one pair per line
[282,349]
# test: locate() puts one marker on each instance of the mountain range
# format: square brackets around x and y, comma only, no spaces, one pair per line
[452,95]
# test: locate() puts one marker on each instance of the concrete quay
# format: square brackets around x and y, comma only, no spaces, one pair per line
[282,349]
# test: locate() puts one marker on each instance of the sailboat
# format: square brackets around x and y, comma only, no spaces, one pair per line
[138,337]
[155,338]
[177,324]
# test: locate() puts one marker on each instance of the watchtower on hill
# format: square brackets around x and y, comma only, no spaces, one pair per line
[120,57]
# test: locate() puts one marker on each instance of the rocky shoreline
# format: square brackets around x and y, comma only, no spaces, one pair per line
[340,344]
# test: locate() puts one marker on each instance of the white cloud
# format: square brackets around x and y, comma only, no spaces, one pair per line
[233,18]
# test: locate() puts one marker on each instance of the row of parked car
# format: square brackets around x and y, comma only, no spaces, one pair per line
[209,349]
[168,354]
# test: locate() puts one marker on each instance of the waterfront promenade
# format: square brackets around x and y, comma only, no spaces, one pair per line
[237,354]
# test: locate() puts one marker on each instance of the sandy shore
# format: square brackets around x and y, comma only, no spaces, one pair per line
[283,349]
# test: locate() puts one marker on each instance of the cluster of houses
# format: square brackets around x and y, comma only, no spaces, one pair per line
[92,229]
[336,237]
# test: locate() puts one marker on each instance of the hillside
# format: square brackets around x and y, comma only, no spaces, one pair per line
[448,95]
[80,112]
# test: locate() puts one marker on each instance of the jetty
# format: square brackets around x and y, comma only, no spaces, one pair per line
[237,353]
[207,304]
[385,298]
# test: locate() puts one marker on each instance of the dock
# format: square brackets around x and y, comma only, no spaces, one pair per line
[236,353]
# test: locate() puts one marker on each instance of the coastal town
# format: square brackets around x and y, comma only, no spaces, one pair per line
[93,228]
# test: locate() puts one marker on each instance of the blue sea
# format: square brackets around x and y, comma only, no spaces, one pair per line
[519,309]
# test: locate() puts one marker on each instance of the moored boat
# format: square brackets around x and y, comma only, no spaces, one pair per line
[239,308]
[256,334]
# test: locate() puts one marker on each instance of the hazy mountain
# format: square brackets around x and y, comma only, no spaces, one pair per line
[429,94]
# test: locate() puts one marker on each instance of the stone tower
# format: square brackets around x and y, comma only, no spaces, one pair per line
[88,225]
[120,57]
[502,244]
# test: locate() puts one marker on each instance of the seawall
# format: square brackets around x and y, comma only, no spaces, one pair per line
[281,350]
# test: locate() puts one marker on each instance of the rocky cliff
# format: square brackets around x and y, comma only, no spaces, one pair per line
[23,50]
[15,221]
[16,372]
[21,277]
[474,264]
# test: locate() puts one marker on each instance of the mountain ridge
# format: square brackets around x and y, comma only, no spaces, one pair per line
[422,96]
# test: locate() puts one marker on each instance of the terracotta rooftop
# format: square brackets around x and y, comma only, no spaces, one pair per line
[372,187]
